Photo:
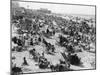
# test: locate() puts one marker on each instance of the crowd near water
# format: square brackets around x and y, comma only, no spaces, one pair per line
[43,41]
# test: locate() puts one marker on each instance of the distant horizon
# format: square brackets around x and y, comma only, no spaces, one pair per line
[77,14]
[60,9]
[67,13]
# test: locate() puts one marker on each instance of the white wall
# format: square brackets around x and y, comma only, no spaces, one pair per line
[5,37]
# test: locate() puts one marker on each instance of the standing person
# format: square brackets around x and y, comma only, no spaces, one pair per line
[25,61]
[68,59]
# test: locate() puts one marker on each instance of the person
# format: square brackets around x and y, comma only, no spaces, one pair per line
[43,63]
[31,41]
[70,49]
[25,61]
[43,54]
[68,59]
[16,70]
[74,60]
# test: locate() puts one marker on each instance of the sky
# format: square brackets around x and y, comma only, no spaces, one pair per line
[60,8]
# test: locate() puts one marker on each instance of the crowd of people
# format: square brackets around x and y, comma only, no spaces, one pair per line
[35,27]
